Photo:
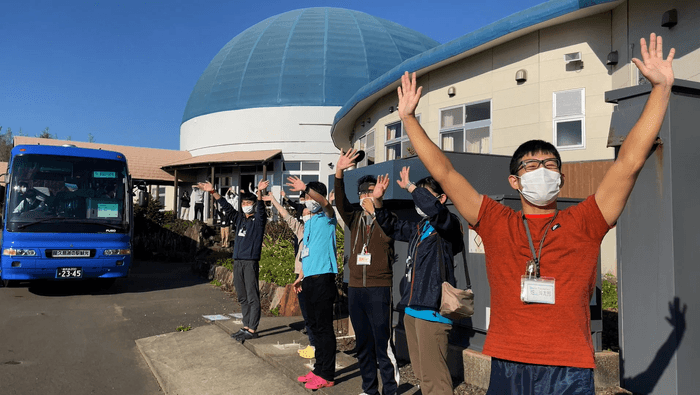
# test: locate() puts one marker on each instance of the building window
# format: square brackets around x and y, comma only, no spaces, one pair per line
[161,195]
[397,144]
[306,170]
[367,145]
[569,124]
[466,128]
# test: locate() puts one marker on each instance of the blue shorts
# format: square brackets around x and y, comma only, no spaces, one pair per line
[526,379]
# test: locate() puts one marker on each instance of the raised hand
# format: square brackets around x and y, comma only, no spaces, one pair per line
[404,181]
[346,159]
[282,194]
[263,184]
[653,66]
[205,186]
[381,186]
[267,198]
[331,197]
[295,184]
[409,96]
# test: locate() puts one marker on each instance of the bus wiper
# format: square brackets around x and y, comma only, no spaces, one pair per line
[41,221]
[73,221]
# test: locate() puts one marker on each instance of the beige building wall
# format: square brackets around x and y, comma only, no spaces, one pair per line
[521,111]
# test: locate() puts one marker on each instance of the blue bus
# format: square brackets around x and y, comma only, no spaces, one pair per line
[68,214]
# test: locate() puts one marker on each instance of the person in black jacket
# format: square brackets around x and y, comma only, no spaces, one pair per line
[250,229]
[432,242]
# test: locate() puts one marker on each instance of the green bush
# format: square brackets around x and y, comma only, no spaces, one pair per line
[609,292]
[277,261]
[227,263]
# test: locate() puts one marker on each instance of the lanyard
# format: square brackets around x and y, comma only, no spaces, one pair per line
[536,257]
[361,229]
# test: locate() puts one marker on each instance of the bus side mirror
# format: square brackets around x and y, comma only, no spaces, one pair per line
[141,197]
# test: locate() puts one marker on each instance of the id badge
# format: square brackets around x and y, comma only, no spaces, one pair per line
[241,233]
[364,259]
[537,290]
[305,252]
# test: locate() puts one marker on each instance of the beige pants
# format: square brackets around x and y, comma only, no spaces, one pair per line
[427,347]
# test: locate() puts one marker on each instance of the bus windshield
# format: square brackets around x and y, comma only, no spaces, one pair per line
[66,194]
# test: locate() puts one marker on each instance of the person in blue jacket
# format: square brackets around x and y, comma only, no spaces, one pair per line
[439,229]
[249,226]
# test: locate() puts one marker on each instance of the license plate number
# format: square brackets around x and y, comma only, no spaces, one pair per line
[70,253]
[69,272]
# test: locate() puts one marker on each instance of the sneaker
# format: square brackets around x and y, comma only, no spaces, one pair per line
[309,352]
[306,378]
[239,333]
[317,382]
[246,335]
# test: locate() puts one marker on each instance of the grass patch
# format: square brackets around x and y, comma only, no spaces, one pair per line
[183,328]
[275,311]
[215,282]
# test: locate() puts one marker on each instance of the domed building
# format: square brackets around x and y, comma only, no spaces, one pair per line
[265,104]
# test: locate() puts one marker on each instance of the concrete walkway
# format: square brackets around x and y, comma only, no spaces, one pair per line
[206,360]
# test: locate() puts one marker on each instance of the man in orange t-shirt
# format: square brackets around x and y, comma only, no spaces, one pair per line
[541,262]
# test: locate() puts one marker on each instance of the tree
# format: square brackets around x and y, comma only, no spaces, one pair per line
[91,138]
[45,134]
[5,145]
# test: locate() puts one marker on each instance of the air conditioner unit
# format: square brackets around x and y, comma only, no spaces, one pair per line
[572,57]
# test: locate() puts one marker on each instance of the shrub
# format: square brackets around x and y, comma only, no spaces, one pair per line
[609,292]
[277,261]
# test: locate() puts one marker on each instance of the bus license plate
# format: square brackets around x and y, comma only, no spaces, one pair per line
[70,253]
[69,272]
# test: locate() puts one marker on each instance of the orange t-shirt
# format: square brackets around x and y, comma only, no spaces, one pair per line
[542,334]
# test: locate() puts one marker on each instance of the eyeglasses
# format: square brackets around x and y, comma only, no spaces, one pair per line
[534,164]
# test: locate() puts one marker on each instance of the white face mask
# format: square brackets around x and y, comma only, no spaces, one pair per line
[23,189]
[421,213]
[248,209]
[366,198]
[313,205]
[541,186]
[306,218]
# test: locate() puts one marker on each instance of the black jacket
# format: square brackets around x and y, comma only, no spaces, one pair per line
[249,231]
[424,287]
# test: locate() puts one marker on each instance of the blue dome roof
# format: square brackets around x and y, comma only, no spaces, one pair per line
[307,57]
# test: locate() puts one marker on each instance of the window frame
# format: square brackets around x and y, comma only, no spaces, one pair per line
[403,141]
[569,118]
[298,173]
[466,126]
[363,146]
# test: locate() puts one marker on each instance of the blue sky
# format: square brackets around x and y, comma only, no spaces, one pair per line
[122,71]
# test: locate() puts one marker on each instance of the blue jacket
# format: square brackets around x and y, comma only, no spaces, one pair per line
[424,287]
[249,231]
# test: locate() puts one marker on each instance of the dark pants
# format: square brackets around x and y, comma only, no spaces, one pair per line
[370,312]
[199,211]
[245,279]
[525,379]
[302,307]
[319,296]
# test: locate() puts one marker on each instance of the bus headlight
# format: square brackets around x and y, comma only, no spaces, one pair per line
[19,252]
[124,251]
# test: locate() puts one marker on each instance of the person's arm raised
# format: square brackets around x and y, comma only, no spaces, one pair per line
[616,187]
[465,198]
